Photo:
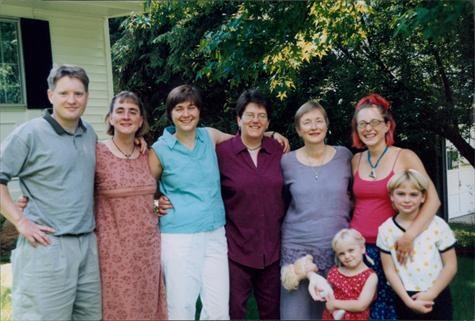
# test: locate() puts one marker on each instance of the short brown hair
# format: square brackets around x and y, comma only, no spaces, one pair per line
[72,71]
[182,94]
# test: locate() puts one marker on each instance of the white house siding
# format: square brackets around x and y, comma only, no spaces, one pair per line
[76,38]
[79,39]
[461,198]
[460,185]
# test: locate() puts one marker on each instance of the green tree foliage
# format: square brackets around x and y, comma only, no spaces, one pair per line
[418,53]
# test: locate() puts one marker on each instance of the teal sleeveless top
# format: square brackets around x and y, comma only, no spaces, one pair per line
[190,180]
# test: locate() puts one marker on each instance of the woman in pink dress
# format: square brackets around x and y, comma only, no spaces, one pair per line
[128,236]
[373,128]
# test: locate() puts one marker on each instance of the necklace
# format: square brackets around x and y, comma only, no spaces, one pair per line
[372,174]
[127,156]
[251,149]
[315,170]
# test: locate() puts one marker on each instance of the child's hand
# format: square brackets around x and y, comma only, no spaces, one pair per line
[330,304]
[421,306]
[318,287]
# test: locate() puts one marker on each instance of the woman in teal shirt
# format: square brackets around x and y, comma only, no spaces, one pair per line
[194,249]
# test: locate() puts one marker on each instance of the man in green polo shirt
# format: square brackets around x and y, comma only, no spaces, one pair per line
[55,264]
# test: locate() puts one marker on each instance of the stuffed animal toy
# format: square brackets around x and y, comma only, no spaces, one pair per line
[318,287]
[292,274]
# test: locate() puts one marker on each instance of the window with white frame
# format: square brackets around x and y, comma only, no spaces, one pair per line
[12,90]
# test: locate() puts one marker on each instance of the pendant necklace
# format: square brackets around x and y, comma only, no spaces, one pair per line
[372,174]
[315,170]
[127,156]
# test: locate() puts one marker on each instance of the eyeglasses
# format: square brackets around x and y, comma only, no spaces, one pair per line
[252,116]
[317,122]
[373,123]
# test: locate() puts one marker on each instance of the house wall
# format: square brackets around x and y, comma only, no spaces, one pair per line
[79,39]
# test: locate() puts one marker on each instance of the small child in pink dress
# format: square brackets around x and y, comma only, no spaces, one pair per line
[353,282]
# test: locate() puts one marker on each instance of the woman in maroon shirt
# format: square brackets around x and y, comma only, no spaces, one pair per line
[251,185]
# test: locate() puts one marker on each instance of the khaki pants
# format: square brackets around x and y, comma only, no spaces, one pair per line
[57,282]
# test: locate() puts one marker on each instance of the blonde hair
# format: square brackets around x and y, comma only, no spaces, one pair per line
[414,178]
[345,234]
[309,106]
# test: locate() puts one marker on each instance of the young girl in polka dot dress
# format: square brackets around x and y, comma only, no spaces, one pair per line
[354,283]
[422,283]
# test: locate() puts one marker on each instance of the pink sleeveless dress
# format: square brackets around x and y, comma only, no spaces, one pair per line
[128,239]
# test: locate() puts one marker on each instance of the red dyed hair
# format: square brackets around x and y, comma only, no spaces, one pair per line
[384,107]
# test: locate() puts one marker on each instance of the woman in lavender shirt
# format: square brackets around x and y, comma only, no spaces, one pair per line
[317,178]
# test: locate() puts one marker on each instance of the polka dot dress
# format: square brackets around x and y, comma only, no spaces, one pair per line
[348,288]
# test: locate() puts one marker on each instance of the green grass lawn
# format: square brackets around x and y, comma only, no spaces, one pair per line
[462,287]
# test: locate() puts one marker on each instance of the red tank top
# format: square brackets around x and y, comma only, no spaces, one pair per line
[372,204]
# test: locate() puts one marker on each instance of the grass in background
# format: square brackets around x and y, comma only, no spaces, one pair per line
[465,235]
[463,289]
[5,304]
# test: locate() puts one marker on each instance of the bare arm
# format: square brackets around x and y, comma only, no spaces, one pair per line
[354,162]
[154,164]
[432,203]
[419,306]
[363,301]
[34,233]
[218,136]
[448,272]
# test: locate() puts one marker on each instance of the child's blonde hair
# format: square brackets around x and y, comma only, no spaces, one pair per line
[348,233]
[416,180]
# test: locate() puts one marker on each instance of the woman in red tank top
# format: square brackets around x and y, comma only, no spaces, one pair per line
[373,128]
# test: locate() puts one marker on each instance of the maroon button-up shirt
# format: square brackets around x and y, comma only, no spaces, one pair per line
[253,201]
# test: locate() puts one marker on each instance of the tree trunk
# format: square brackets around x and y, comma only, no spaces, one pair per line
[464,148]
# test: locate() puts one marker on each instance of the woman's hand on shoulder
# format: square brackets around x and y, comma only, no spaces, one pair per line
[142,144]
[281,139]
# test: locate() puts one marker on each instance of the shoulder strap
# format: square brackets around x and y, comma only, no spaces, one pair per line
[359,161]
[397,156]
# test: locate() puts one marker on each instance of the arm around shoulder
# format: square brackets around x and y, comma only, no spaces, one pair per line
[218,136]
[154,164]
[409,160]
